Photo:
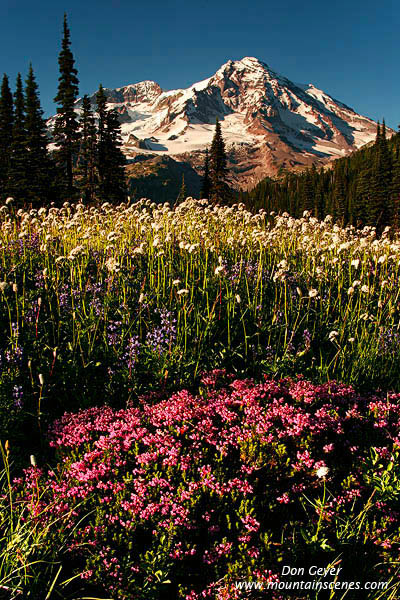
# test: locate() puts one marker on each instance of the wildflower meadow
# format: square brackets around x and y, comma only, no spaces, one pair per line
[194,396]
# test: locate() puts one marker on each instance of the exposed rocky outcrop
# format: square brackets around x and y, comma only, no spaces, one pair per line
[267,121]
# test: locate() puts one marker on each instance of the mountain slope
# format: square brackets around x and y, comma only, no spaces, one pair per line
[267,121]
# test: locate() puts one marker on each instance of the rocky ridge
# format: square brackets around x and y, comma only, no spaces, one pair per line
[267,121]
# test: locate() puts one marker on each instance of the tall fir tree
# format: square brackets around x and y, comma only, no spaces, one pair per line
[363,196]
[339,195]
[319,201]
[66,127]
[110,158]
[116,189]
[379,209]
[206,182]
[101,166]
[40,168]
[182,192]
[87,152]
[307,195]
[395,193]
[218,169]
[18,182]
[6,130]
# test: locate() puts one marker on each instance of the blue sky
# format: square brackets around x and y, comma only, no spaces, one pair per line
[348,48]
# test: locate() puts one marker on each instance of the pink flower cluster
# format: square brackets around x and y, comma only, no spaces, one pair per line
[200,486]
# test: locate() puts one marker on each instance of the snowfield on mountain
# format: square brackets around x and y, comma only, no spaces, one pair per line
[267,121]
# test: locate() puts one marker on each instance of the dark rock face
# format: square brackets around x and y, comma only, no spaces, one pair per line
[160,178]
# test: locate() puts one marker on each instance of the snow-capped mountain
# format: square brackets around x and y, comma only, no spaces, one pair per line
[267,121]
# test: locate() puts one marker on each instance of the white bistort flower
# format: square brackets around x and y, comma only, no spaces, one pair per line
[322,472]
[112,265]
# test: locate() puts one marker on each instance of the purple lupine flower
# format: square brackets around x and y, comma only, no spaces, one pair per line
[114,332]
[389,340]
[18,395]
[39,279]
[270,353]
[307,339]
[14,355]
[131,352]
[160,338]
[97,306]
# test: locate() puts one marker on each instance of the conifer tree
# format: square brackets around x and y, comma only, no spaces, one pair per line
[40,169]
[307,196]
[87,152]
[319,206]
[182,192]
[362,197]
[339,195]
[395,193]
[66,127]
[101,142]
[379,202]
[110,159]
[206,183]
[363,188]
[6,126]
[218,169]
[17,175]
[116,189]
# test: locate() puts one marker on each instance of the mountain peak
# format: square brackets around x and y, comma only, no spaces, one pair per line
[267,121]
[252,61]
[247,62]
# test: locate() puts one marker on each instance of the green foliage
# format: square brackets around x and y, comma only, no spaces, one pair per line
[87,153]
[6,133]
[110,159]
[39,167]
[206,183]
[66,127]
[31,555]
[18,180]
[361,189]
[219,190]
[182,192]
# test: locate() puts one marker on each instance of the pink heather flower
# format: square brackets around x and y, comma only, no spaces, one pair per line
[284,499]
[185,463]
[328,447]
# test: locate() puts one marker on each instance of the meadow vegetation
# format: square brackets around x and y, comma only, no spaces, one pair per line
[163,333]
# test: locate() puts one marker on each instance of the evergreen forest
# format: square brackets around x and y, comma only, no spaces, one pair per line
[362,189]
